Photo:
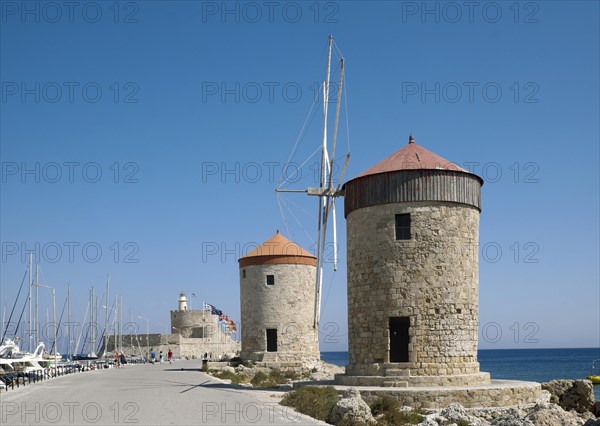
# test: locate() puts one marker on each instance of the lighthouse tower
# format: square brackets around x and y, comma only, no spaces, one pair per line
[182,302]
[277,292]
[412,241]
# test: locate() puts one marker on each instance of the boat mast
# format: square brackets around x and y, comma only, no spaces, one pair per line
[69,321]
[55,331]
[106,315]
[115,325]
[92,324]
[29,300]
[120,323]
[37,312]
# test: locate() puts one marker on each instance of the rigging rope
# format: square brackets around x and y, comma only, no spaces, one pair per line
[279,202]
[298,222]
[298,139]
[13,310]
[328,290]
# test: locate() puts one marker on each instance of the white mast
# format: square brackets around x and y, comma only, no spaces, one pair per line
[55,330]
[322,180]
[29,302]
[4,320]
[69,321]
[92,322]
[37,297]
[115,348]
[120,323]
[104,334]
[326,191]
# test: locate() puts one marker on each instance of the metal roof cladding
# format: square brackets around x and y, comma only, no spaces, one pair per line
[278,249]
[412,174]
[412,157]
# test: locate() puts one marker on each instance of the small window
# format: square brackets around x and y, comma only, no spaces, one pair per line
[243,273]
[270,279]
[403,226]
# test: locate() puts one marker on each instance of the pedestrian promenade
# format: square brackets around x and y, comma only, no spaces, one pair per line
[159,394]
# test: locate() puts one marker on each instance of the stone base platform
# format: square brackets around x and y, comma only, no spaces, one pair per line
[286,361]
[403,381]
[497,393]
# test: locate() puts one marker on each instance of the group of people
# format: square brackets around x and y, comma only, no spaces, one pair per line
[119,359]
[161,357]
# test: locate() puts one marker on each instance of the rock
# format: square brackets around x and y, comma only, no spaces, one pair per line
[457,413]
[585,416]
[351,408]
[228,369]
[428,422]
[511,421]
[324,371]
[553,415]
[433,420]
[575,395]
[512,417]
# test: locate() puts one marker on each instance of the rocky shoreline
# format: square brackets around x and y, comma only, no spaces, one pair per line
[567,403]
[563,403]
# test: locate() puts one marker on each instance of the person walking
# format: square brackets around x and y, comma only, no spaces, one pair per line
[153,357]
[161,357]
[117,359]
[170,356]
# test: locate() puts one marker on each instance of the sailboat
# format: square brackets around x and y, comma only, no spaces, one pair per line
[91,355]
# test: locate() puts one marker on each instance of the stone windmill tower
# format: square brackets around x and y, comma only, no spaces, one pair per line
[277,291]
[412,235]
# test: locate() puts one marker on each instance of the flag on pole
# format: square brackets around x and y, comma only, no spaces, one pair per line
[213,310]
[224,321]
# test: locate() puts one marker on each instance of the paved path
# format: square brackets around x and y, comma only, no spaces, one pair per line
[145,395]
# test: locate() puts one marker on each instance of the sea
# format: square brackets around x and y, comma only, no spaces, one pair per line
[536,365]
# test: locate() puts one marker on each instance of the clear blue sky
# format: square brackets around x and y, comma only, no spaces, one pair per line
[178,102]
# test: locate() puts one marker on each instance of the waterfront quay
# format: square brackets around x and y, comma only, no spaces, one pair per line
[147,394]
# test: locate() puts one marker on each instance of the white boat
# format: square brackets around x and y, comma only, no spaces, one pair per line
[13,360]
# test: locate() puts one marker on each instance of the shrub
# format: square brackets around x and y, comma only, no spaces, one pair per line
[258,379]
[235,378]
[387,407]
[271,380]
[316,402]
[384,404]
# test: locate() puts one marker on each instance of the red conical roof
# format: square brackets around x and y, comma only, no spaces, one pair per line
[278,249]
[412,157]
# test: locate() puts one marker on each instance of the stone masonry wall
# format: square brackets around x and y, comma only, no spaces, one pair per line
[431,278]
[287,306]
[193,333]
[192,323]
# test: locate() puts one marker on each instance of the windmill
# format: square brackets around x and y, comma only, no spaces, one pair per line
[326,192]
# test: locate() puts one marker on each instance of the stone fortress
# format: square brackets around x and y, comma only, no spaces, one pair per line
[277,295]
[194,333]
[412,262]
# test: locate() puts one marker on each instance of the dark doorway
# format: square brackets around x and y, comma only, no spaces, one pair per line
[271,340]
[399,339]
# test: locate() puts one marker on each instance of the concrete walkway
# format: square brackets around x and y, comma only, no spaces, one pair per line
[145,395]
